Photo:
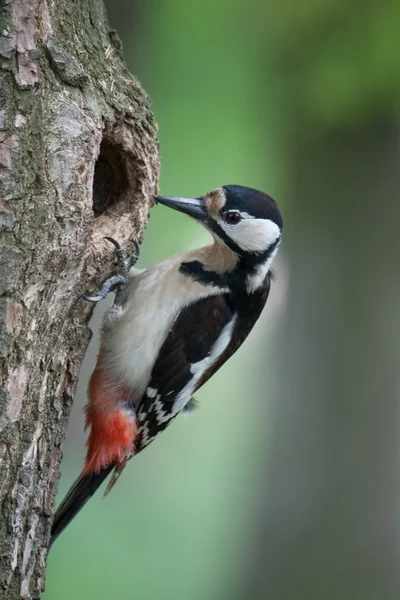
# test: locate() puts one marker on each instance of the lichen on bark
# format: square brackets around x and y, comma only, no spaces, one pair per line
[78,161]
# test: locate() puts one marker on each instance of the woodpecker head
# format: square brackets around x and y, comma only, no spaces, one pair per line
[247,221]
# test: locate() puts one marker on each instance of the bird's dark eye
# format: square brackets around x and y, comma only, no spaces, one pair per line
[232,217]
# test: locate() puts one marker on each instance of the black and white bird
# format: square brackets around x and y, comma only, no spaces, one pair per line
[171,327]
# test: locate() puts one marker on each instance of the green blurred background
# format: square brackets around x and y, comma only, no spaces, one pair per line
[285,484]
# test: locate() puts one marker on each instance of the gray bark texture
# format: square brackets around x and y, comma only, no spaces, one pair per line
[78,161]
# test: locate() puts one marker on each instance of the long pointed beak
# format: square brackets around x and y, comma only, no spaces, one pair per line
[194,207]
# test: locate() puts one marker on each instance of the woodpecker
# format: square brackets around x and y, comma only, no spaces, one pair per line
[171,327]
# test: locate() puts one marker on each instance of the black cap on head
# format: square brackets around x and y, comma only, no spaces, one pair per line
[256,203]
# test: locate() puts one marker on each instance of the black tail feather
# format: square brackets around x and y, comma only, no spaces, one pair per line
[83,489]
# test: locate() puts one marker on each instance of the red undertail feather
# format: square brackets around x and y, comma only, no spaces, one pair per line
[113,428]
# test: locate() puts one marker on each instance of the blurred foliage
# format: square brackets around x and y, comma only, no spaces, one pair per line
[339,59]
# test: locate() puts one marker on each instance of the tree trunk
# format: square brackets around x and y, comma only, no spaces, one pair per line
[78,161]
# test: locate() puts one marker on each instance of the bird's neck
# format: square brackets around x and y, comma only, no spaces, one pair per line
[219,266]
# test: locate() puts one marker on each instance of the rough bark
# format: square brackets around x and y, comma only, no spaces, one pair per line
[78,161]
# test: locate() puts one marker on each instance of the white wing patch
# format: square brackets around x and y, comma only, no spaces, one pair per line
[183,398]
[197,369]
[151,392]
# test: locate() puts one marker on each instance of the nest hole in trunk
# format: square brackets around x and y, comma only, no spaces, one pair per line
[110,179]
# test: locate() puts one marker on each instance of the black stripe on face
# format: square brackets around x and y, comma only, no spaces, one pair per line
[234,280]
[250,260]
[213,227]
[247,266]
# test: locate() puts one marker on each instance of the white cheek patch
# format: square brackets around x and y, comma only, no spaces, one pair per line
[252,235]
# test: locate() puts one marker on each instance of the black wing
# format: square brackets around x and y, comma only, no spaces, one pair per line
[200,330]
[248,309]
[190,340]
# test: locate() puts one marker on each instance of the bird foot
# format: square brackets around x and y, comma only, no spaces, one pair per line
[117,282]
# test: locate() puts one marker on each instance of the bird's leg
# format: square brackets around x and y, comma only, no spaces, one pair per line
[117,282]
[108,286]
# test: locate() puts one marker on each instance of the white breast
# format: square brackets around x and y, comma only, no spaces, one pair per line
[133,335]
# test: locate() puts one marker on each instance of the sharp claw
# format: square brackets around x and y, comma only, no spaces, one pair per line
[137,248]
[92,298]
[117,281]
[114,242]
[134,257]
